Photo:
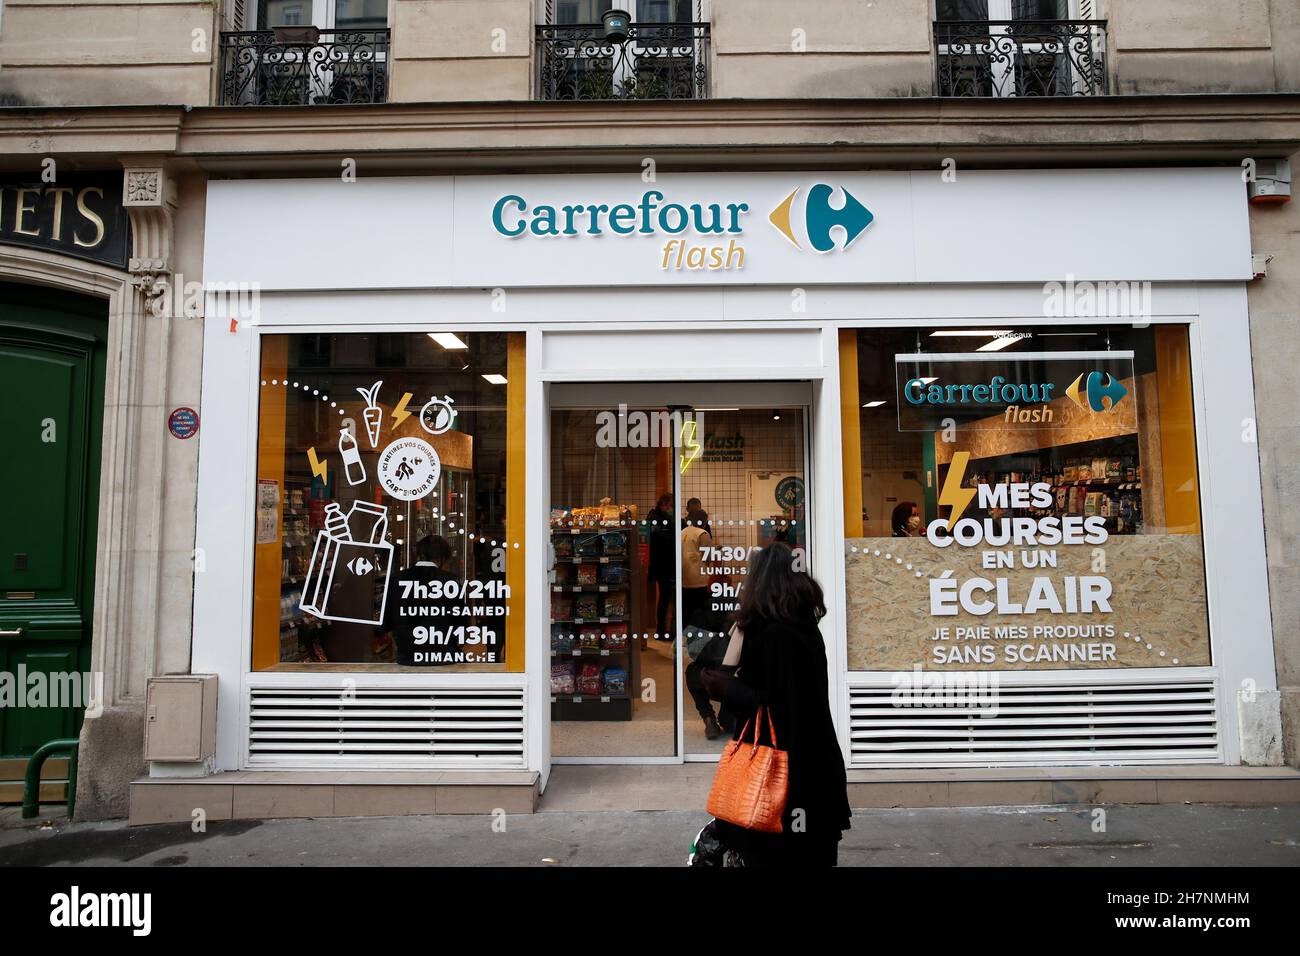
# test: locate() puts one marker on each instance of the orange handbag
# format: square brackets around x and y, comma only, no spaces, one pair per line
[752,781]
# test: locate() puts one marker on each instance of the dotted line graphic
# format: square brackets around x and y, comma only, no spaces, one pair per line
[316,392]
[596,524]
[592,524]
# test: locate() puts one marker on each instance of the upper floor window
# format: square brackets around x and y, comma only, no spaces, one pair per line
[664,54]
[338,14]
[568,12]
[303,52]
[1019,48]
[985,10]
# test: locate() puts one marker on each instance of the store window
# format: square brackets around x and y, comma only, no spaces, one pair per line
[1021,499]
[390,502]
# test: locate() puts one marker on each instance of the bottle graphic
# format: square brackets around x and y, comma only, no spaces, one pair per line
[352,464]
[335,523]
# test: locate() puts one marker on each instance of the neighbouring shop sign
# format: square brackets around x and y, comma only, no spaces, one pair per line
[80,216]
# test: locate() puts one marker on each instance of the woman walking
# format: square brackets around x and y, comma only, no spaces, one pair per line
[782,668]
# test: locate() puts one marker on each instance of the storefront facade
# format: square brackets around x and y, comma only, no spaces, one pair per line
[814,357]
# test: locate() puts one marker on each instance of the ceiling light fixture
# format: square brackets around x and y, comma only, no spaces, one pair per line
[448,340]
[495,378]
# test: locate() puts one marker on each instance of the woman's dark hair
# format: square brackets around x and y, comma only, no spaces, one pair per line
[665,498]
[898,520]
[776,593]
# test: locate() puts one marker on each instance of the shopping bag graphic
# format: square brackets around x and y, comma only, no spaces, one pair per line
[346,575]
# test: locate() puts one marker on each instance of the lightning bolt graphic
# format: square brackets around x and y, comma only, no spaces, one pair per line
[953,493]
[689,444]
[318,467]
[400,414]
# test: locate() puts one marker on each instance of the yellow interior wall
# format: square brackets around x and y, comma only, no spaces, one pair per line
[850,433]
[516,497]
[270,467]
[1177,430]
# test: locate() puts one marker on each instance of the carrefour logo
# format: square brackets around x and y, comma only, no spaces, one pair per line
[654,214]
[1024,403]
[819,217]
[1092,390]
[515,216]
[700,235]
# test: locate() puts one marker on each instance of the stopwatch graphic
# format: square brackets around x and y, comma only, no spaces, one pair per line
[438,415]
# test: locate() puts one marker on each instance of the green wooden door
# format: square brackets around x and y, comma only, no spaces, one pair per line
[51,417]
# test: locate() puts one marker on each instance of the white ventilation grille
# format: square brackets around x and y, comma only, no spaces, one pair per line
[381,727]
[1037,724]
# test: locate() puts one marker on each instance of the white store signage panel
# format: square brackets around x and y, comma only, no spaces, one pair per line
[797,228]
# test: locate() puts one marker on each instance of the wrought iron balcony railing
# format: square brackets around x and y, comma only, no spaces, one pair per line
[657,61]
[1020,58]
[302,66]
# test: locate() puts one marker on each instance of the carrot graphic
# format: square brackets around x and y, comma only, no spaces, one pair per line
[374,415]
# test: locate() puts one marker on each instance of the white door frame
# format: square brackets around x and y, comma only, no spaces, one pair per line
[753,393]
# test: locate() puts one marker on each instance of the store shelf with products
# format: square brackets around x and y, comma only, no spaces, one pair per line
[446,515]
[594,660]
[1100,477]
[298,524]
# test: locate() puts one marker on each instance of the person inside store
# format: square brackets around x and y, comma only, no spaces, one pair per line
[905,522]
[662,572]
[430,610]
[695,538]
[696,614]
[782,669]
[693,505]
[713,642]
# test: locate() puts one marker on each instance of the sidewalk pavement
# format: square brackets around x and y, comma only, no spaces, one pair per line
[1148,835]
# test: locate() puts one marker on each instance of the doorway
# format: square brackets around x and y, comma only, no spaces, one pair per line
[659,492]
[52,364]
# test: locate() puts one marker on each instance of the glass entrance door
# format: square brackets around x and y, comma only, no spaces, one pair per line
[743,483]
[613,673]
[658,494]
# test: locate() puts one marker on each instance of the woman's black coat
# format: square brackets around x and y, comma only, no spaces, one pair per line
[783,667]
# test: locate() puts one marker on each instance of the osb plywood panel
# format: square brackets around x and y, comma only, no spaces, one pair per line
[1158,595]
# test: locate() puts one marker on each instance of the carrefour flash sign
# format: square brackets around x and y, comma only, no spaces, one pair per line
[692,236]
[1009,390]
